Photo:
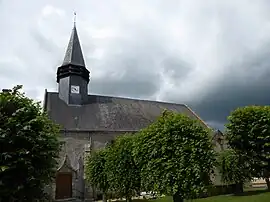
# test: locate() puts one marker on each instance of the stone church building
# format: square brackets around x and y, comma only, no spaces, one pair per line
[90,121]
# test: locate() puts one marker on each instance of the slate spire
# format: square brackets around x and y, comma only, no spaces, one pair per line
[74,55]
[73,63]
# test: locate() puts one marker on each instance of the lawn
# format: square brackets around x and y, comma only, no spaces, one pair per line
[250,196]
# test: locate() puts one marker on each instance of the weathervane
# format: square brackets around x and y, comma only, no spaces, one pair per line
[74,19]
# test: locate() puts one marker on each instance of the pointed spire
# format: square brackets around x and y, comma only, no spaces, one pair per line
[73,63]
[74,53]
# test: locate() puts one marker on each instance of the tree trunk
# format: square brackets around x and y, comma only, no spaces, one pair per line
[104,197]
[267,183]
[239,188]
[177,198]
[128,199]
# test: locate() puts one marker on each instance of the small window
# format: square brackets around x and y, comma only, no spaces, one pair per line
[87,147]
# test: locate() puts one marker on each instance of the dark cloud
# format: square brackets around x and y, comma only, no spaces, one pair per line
[249,87]
[129,76]
[176,68]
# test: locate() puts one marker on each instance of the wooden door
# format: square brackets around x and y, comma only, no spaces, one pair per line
[63,186]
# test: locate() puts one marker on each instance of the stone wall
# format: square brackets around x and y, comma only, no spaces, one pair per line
[76,146]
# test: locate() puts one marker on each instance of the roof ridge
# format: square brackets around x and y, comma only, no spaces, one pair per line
[141,112]
[136,99]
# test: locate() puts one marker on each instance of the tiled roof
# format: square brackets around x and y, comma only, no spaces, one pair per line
[105,113]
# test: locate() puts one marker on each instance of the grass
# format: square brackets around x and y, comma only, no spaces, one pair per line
[248,196]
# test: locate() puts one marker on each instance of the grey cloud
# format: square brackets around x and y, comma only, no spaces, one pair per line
[129,76]
[43,43]
[176,68]
[134,68]
[250,87]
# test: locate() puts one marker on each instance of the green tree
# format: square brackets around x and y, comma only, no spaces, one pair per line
[248,133]
[29,147]
[123,174]
[176,156]
[95,171]
[234,168]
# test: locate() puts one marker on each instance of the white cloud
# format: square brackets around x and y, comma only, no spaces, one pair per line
[51,10]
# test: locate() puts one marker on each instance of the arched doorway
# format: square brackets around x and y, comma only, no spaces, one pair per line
[63,188]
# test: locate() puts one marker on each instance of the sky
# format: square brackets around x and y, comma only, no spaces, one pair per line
[212,55]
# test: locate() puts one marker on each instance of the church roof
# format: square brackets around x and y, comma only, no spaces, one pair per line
[74,55]
[106,113]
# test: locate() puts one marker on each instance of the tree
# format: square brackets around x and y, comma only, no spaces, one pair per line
[95,171]
[234,168]
[123,174]
[29,147]
[248,133]
[176,156]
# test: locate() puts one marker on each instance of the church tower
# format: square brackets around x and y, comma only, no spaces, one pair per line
[72,75]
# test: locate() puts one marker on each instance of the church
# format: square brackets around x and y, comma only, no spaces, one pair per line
[90,121]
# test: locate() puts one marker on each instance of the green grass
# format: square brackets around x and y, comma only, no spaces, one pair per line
[249,196]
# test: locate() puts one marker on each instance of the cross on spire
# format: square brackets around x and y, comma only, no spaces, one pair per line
[74,19]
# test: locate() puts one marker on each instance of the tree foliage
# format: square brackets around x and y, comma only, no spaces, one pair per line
[123,173]
[113,169]
[175,155]
[248,132]
[95,170]
[234,168]
[29,147]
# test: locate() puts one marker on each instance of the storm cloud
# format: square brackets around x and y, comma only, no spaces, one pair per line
[211,55]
